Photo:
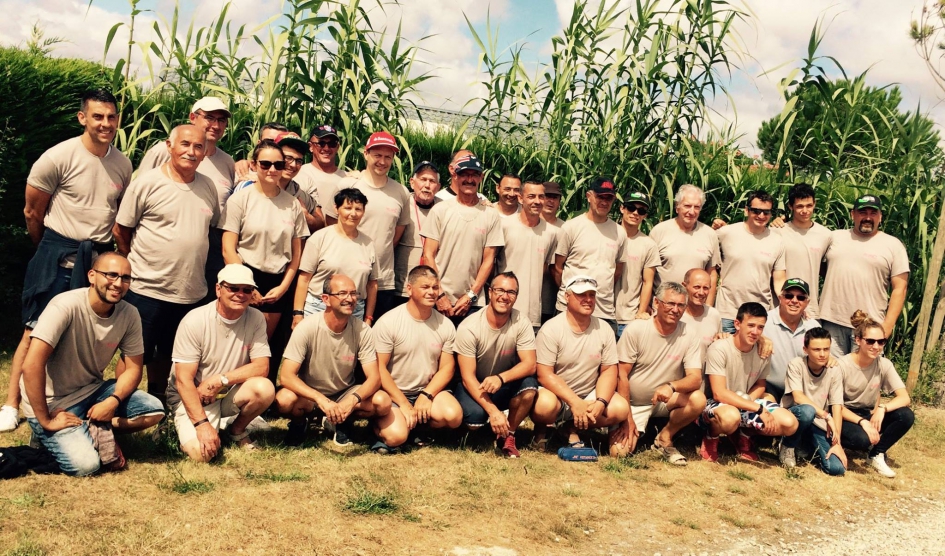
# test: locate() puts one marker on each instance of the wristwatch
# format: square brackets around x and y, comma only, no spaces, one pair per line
[224,381]
[472,296]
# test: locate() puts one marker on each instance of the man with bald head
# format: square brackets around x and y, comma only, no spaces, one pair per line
[701,318]
[163,227]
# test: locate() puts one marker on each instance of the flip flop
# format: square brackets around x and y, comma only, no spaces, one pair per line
[671,454]
[238,438]
[576,444]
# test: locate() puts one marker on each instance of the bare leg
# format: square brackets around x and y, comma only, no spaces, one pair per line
[519,407]
[16,369]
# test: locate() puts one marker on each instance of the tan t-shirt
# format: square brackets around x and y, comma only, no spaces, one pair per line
[408,252]
[496,351]
[576,358]
[862,387]
[527,253]
[549,290]
[387,208]
[220,168]
[83,346]
[169,247]
[321,186]
[463,233]
[84,189]
[803,252]
[641,253]
[704,327]
[414,346]
[217,346]
[265,227]
[594,250]
[657,359]
[859,275]
[824,390]
[328,359]
[747,263]
[741,370]
[681,251]
[308,202]
[328,251]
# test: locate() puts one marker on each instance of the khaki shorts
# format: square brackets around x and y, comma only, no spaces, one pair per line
[216,411]
[642,413]
[565,414]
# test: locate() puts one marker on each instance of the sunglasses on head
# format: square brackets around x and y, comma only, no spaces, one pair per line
[791,296]
[331,143]
[267,164]
[642,210]
[238,289]
[871,341]
[759,212]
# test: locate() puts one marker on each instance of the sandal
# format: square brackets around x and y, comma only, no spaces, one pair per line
[671,454]
[249,446]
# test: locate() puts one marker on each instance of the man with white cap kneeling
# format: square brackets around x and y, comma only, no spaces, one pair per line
[221,361]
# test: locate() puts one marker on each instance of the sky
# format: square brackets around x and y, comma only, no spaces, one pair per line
[862,34]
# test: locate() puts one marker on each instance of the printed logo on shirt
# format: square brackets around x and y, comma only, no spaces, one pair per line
[436,345]
[874,385]
[673,357]
[365,264]
[633,257]
[346,358]
[206,210]
[505,352]
[594,356]
[393,210]
[117,186]
[479,230]
[288,223]
[111,345]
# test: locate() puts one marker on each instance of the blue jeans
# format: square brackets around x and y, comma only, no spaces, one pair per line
[620,328]
[831,466]
[315,305]
[808,434]
[72,447]
[728,325]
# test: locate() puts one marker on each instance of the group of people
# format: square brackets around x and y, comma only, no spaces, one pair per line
[337,296]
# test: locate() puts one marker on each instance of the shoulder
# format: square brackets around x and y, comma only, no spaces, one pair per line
[221,156]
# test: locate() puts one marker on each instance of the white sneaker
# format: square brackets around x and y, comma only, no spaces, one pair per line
[258,425]
[786,455]
[879,464]
[9,418]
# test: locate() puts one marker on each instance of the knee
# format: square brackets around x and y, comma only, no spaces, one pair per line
[728,418]
[906,416]
[833,467]
[148,421]
[394,435]
[285,401]
[696,401]
[546,407]
[452,414]
[83,465]
[382,403]
[261,389]
[618,408]
[804,414]
[192,449]
[527,397]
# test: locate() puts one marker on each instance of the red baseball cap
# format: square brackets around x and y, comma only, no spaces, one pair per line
[381,139]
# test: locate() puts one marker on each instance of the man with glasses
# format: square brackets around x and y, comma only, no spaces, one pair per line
[752,257]
[786,327]
[425,183]
[594,245]
[221,360]
[529,251]
[495,350]
[320,178]
[162,226]
[660,372]
[549,213]
[635,288]
[63,386]
[866,269]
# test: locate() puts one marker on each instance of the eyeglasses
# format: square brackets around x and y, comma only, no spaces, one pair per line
[267,164]
[238,289]
[213,119]
[331,144]
[759,212]
[790,296]
[344,295]
[112,276]
[871,341]
[499,292]
[294,161]
[642,210]
[672,305]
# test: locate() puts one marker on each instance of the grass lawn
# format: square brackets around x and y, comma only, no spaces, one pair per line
[437,499]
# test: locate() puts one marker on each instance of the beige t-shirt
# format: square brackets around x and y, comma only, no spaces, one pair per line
[220,168]
[321,186]
[414,346]
[496,351]
[747,263]
[594,250]
[169,247]
[704,327]
[741,370]
[217,346]
[527,253]
[408,252]
[308,202]
[862,386]
[681,251]
[83,346]
[576,358]
[265,227]
[657,359]
[641,253]
[387,208]
[329,251]
[803,252]
[859,275]
[84,189]
[824,390]
[549,290]
[328,359]
[463,233]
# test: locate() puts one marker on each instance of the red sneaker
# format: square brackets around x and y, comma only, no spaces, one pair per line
[710,449]
[509,449]
[745,448]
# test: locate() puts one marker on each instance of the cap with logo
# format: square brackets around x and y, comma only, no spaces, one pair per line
[210,104]
[637,197]
[423,165]
[581,284]
[552,188]
[292,140]
[468,162]
[796,283]
[603,185]
[324,131]
[236,275]
[381,139]
[868,201]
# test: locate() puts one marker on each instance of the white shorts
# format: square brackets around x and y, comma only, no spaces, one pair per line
[216,411]
[642,413]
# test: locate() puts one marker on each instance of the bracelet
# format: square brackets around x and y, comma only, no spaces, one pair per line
[200,422]
[369,319]
[116,397]
[298,313]
[356,395]
[761,408]
[860,422]
[603,401]
[670,384]
[500,379]
[426,394]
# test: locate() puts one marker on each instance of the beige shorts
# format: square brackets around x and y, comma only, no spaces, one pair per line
[565,415]
[216,411]
[642,413]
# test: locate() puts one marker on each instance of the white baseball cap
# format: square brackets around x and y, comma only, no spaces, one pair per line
[210,104]
[581,284]
[236,275]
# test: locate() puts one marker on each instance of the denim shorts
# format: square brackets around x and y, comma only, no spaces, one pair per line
[72,447]
[474,414]
[314,304]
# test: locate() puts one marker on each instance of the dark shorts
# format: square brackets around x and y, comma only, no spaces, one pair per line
[159,322]
[265,282]
[386,300]
[60,285]
[474,414]
[215,263]
[412,396]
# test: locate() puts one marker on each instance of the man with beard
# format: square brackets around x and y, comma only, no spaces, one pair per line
[63,386]
[863,264]
[425,183]
[509,191]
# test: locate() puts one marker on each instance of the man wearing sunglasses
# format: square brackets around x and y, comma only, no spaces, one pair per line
[635,288]
[320,178]
[752,256]
[786,327]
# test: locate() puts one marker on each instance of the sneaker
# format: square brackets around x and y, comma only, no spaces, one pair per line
[258,425]
[878,462]
[710,448]
[9,418]
[297,429]
[342,434]
[509,449]
[745,448]
[786,455]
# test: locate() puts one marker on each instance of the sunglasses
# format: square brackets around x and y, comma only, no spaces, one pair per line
[871,341]
[112,276]
[759,212]
[267,164]
[238,289]
[791,296]
[331,144]
[642,210]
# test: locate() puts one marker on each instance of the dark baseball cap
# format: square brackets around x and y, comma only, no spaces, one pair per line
[468,162]
[796,283]
[637,197]
[552,188]
[423,165]
[868,201]
[324,131]
[603,185]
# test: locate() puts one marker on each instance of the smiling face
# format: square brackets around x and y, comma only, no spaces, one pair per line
[350,213]
[343,297]
[187,147]
[294,159]
[877,336]
[510,192]
[425,185]
[324,150]
[866,221]
[213,123]
[698,286]
[268,157]
[108,290]
[100,120]
[631,214]
[379,160]
[533,199]
[688,209]
[468,181]
[503,293]
[234,298]
[757,215]
[793,303]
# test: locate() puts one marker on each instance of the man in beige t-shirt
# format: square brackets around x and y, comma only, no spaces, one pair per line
[549,213]
[577,369]
[704,320]
[509,193]
[425,182]
[318,372]
[660,371]
[635,289]
[320,178]
[866,269]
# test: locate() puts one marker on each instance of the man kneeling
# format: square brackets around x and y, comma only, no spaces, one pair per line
[318,369]
[221,361]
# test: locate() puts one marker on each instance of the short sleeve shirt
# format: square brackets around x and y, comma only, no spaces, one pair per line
[308,202]
[803,252]
[741,370]
[495,351]
[321,186]
[594,250]
[83,346]
[859,275]
[681,251]
[414,346]
[528,251]
[576,357]
[220,168]
[657,359]
[641,254]
[409,251]
[84,189]
[217,346]
[171,222]
[824,390]
[328,251]
[862,386]
[705,326]
[328,359]
[549,289]
[265,227]
[747,263]
[787,345]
